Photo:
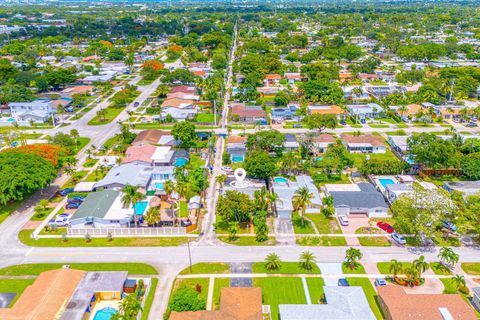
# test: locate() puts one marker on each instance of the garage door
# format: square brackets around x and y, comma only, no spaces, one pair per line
[284,214]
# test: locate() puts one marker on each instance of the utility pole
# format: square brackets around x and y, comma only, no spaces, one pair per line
[189,254]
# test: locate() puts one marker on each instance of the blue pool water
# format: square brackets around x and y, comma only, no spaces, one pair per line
[237,159]
[280,180]
[104,314]
[140,207]
[180,162]
[159,186]
[410,161]
[384,182]
[10,120]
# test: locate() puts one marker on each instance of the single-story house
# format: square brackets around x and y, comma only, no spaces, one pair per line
[236,148]
[70,91]
[379,92]
[351,93]
[361,198]
[84,186]
[248,114]
[468,188]
[249,186]
[395,190]
[293,77]
[342,303]
[268,91]
[364,143]
[322,141]
[398,143]
[335,110]
[38,111]
[291,143]
[104,77]
[398,305]
[178,114]
[281,114]
[178,103]
[272,79]
[407,113]
[286,191]
[150,155]
[150,136]
[363,111]
[367,77]
[185,89]
[183,96]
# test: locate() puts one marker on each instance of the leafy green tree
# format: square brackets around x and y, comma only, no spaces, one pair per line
[259,164]
[260,224]
[185,132]
[129,308]
[273,262]
[130,197]
[270,141]
[234,206]
[431,151]
[187,299]
[470,165]
[320,122]
[152,217]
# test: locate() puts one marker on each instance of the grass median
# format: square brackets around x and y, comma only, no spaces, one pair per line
[34,269]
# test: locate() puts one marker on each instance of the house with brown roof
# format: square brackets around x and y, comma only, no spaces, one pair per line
[272,79]
[293,77]
[151,136]
[368,143]
[333,109]
[367,77]
[235,304]
[46,298]
[178,103]
[398,305]
[70,91]
[322,141]
[408,112]
[236,148]
[244,113]
[184,89]
[183,95]
[139,154]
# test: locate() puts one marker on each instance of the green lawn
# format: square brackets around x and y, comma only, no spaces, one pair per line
[248,241]
[321,241]
[15,286]
[205,117]
[315,288]
[192,283]
[285,268]
[438,268]
[6,210]
[449,286]
[378,125]
[299,228]
[358,158]
[358,270]
[219,283]
[283,290]
[24,237]
[34,269]
[112,113]
[82,142]
[149,300]
[96,175]
[370,293]
[72,181]
[384,267]
[374,241]
[42,214]
[196,161]
[472,268]
[325,225]
[90,163]
[183,209]
[208,268]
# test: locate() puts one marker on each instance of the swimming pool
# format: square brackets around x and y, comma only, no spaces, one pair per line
[140,207]
[104,314]
[237,158]
[386,181]
[180,162]
[159,186]
[280,180]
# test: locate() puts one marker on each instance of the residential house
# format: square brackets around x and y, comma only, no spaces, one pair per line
[355,93]
[248,187]
[379,92]
[178,114]
[183,96]
[450,112]
[341,303]
[408,112]
[268,91]
[398,305]
[184,89]
[236,148]
[293,77]
[178,103]
[38,111]
[476,297]
[345,76]
[368,143]
[285,191]
[70,91]
[291,143]
[139,154]
[357,199]
[272,80]
[322,141]
[368,77]
[468,188]
[249,114]
[235,304]
[102,77]
[363,111]
[332,109]
[399,144]
[151,136]
[281,114]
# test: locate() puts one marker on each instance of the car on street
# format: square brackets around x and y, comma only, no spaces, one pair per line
[398,238]
[73,205]
[471,124]
[449,225]
[380,282]
[342,282]
[385,227]
[343,220]
[66,191]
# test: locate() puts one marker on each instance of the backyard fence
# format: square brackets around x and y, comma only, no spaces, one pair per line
[164,231]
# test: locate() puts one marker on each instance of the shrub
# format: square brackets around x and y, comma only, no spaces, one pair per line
[187,299]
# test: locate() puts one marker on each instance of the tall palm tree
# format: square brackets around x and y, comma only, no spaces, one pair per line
[448,256]
[351,257]
[301,200]
[272,262]
[260,199]
[411,274]
[421,265]
[459,281]
[168,187]
[130,197]
[396,267]
[307,260]
[271,200]
[402,110]
[152,217]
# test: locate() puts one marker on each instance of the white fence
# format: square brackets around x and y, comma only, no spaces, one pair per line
[103,231]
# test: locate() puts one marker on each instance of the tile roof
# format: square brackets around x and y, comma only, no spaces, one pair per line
[326,110]
[142,152]
[402,306]
[150,136]
[236,139]
[374,140]
[248,111]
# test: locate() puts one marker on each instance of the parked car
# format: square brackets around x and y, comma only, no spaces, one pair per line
[227,169]
[449,225]
[76,199]
[297,125]
[136,104]
[380,282]
[385,227]
[398,238]
[363,121]
[66,191]
[73,205]
[343,220]
[343,122]
[60,222]
[472,124]
[342,282]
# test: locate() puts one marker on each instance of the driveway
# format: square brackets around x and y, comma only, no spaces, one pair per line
[331,268]
[240,268]
[354,222]
[284,232]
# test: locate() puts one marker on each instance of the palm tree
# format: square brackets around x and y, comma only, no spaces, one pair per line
[272,197]
[75,135]
[411,274]
[168,187]
[301,200]
[459,281]
[395,267]
[260,199]
[351,257]
[272,262]
[307,260]
[220,179]
[421,265]
[130,197]
[152,217]
[403,109]
[129,308]
[448,256]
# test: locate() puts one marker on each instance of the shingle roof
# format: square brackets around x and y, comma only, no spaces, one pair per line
[149,136]
[367,197]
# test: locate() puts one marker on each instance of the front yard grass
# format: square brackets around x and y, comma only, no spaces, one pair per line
[219,283]
[72,181]
[384,267]
[472,268]
[315,288]
[299,227]
[358,270]
[285,268]
[358,158]
[7,209]
[280,290]
[41,214]
[90,163]
[248,241]
[374,241]
[34,269]
[208,268]
[322,241]
[149,301]
[24,237]
[192,283]
[370,293]
[112,113]
[440,269]
[15,286]
[325,225]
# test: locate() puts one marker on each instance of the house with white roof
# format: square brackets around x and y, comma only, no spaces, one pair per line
[38,111]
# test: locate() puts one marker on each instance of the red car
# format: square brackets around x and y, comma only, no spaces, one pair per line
[385,227]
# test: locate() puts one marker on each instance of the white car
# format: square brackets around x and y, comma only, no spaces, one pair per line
[343,220]
[227,169]
[398,238]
